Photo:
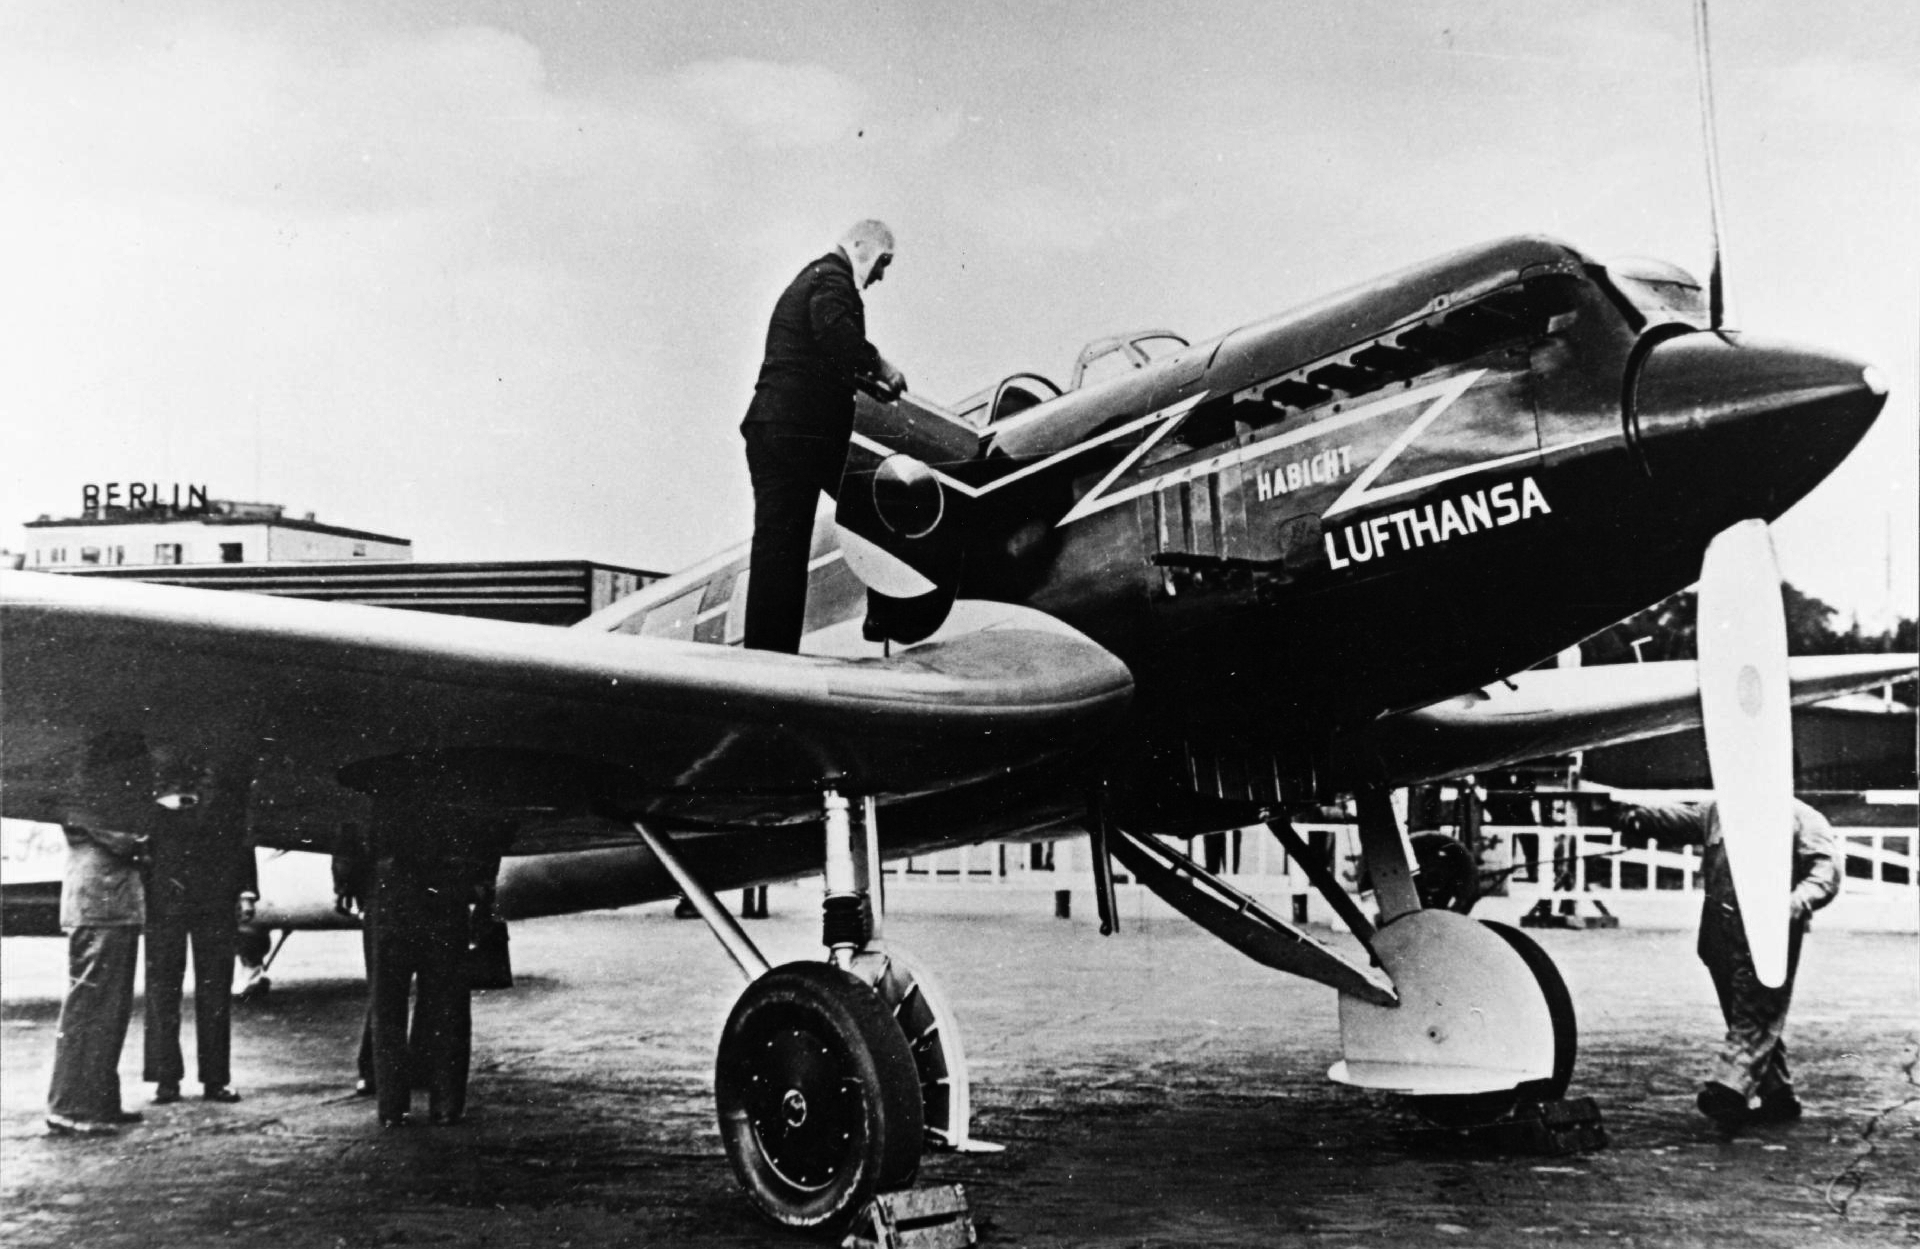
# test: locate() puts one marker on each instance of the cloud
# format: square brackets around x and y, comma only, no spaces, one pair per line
[397,121]
[1829,92]
[774,105]
[1048,217]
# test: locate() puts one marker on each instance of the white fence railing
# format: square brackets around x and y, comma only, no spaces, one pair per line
[1882,865]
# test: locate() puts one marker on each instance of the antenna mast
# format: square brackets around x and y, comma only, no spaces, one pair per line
[1716,287]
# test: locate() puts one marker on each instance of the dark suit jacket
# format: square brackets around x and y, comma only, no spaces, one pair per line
[202,860]
[816,344]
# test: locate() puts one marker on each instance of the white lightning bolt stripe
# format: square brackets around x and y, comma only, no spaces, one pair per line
[1431,479]
[1439,396]
[1094,500]
[1442,393]
[1167,414]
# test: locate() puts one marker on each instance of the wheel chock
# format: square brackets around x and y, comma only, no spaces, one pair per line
[914,1218]
[1540,1129]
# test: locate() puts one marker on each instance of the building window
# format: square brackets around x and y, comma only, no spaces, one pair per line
[167,553]
[119,555]
[89,554]
[231,552]
[359,549]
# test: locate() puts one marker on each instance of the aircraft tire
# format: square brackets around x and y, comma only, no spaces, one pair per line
[818,1096]
[1476,1109]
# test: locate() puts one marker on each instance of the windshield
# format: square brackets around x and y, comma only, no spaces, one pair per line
[1106,358]
[1660,291]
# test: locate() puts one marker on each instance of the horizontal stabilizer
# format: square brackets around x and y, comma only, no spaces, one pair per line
[1558,710]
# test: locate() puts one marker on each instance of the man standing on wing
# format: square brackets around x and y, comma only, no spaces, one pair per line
[801,419]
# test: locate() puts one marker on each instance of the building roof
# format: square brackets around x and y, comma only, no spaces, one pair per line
[169,516]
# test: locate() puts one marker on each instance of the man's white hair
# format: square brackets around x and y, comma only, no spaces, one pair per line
[864,244]
[869,235]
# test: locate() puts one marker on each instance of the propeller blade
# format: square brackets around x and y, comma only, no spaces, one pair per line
[1745,710]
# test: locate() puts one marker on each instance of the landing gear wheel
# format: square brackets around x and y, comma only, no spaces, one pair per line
[818,1096]
[1445,875]
[1475,1109]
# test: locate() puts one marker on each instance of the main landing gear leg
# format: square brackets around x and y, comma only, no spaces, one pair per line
[920,1008]
[817,1089]
[1484,1021]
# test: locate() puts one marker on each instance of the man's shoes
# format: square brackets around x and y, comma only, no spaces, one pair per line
[62,1125]
[445,1120]
[1777,1106]
[220,1093]
[393,1121]
[1723,1105]
[166,1093]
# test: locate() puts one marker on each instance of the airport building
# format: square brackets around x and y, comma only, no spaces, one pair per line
[181,536]
[155,529]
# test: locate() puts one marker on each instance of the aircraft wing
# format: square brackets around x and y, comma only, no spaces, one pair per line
[1554,711]
[550,720]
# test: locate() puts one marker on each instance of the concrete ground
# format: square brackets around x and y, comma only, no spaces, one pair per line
[1151,1089]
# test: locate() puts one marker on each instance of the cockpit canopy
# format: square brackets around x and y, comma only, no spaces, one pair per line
[1100,360]
[1106,358]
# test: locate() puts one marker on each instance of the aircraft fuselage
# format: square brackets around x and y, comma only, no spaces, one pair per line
[1388,497]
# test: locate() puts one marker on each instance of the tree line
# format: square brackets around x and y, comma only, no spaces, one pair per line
[1670,630]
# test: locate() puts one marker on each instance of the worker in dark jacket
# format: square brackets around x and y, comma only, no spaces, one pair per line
[1750,1083]
[353,896]
[801,418]
[202,886]
[108,826]
[430,865]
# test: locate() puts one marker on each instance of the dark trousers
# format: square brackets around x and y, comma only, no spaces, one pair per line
[363,1059]
[1753,1057]
[419,943]
[789,472]
[213,938]
[93,1022]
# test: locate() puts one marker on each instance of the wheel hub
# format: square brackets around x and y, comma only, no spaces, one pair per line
[803,1106]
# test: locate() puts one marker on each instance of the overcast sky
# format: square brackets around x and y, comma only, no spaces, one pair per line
[495,276]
